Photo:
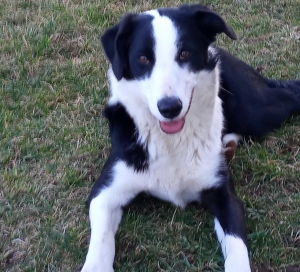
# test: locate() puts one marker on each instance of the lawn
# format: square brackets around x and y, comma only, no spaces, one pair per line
[53,143]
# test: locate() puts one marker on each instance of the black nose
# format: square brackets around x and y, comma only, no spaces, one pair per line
[169,107]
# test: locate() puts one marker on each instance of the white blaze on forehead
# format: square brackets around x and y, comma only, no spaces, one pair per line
[167,78]
[165,37]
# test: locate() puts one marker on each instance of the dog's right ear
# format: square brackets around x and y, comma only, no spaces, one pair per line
[114,41]
[210,22]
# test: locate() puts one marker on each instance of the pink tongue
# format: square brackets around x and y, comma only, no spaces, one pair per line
[172,126]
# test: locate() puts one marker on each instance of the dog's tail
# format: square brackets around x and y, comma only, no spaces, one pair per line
[290,89]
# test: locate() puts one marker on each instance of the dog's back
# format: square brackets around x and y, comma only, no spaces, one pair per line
[254,105]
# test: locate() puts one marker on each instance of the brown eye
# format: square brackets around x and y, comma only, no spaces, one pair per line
[143,59]
[184,54]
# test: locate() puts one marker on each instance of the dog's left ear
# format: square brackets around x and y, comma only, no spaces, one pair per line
[210,22]
[114,43]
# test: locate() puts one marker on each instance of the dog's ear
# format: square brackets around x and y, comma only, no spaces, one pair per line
[114,41]
[210,22]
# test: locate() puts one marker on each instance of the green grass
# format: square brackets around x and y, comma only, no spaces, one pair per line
[53,143]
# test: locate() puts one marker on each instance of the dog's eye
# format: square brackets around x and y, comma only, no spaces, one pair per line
[184,54]
[143,59]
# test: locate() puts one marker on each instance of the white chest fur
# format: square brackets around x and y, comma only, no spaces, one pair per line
[178,181]
[180,165]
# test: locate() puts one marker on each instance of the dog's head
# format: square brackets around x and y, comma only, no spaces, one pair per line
[162,53]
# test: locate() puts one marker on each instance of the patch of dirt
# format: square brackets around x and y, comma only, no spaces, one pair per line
[69,45]
[260,38]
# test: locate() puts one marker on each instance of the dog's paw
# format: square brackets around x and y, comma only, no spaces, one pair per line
[95,267]
[230,143]
[236,264]
[229,150]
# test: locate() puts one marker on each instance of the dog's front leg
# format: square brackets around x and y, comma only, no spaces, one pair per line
[105,216]
[115,188]
[230,224]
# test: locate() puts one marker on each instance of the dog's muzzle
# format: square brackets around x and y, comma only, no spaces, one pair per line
[170,107]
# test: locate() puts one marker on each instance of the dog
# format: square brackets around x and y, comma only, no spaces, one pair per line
[167,125]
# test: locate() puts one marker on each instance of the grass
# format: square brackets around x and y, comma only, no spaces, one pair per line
[53,143]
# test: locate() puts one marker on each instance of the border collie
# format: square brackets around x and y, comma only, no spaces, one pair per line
[166,123]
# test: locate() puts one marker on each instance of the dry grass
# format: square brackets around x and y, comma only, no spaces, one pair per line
[53,143]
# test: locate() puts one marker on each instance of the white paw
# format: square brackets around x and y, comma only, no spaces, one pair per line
[236,254]
[234,264]
[95,267]
[230,143]
[231,137]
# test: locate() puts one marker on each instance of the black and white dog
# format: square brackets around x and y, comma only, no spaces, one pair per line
[166,124]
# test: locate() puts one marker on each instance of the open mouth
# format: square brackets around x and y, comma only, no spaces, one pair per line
[174,126]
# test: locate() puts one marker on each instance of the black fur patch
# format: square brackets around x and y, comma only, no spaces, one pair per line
[224,204]
[124,138]
[192,39]
[125,146]
[126,42]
